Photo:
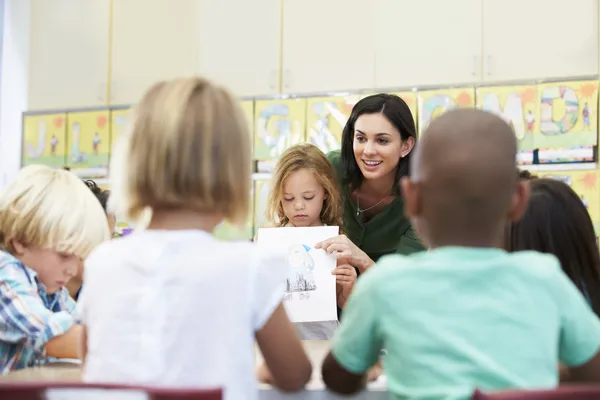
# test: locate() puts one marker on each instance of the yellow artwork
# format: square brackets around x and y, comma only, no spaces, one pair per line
[517,105]
[88,136]
[278,124]
[119,121]
[587,185]
[45,140]
[326,118]
[433,103]
[228,231]
[567,114]
[261,195]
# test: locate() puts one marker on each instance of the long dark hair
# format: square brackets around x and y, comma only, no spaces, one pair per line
[398,113]
[557,222]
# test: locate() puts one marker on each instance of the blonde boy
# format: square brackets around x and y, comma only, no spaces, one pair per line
[49,223]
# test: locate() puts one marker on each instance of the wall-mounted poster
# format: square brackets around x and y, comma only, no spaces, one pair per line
[568,114]
[517,105]
[262,188]
[278,124]
[326,118]
[45,140]
[88,138]
[309,285]
[433,103]
[119,121]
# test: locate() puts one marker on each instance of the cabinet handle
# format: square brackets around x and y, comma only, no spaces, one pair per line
[286,79]
[488,66]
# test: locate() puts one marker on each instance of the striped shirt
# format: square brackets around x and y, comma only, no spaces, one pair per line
[29,317]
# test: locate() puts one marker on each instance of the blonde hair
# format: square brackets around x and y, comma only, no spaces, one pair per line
[305,156]
[188,147]
[51,209]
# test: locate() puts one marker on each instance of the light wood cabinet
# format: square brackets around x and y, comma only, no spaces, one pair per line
[239,44]
[537,39]
[68,62]
[153,40]
[427,42]
[327,45]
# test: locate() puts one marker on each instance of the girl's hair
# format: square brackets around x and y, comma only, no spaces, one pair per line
[525,175]
[101,195]
[188,147]
[557,222]
[398,113]
[305,156]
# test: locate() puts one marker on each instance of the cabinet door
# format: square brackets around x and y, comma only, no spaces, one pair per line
[536,39]
[239,44]
[327,45]
[152,41]
[427,42]
[68,63]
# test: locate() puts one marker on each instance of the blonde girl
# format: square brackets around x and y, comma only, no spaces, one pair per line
[184,308]
[304,192]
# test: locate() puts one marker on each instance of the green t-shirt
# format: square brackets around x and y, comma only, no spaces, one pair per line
[387,232]
[454,319]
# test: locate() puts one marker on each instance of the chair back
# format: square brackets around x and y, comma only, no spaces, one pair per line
[561,393]
[15,390]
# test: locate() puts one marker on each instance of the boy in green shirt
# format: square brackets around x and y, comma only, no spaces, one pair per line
[466,314]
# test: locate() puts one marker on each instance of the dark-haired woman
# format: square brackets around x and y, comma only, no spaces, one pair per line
[376,146]
[557,222]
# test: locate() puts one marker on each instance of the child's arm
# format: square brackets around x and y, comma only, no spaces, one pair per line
[345,278]
[67,345]
[356,346]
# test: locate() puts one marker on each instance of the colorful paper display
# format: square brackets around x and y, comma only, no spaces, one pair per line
[278,124]
[517,105]
[567,114]
[433,103]
[261,195]
[326,118]
[45,140]
[119,122]
[88,138]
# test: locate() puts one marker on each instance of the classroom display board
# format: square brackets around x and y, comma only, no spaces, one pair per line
[326,118]
[45,140]
[119,122]
[433,103]
[278,124]
[88,141]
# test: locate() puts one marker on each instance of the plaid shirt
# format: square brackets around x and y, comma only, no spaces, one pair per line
[29,317]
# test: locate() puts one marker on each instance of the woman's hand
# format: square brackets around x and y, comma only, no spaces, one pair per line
[345,276]
[346,252]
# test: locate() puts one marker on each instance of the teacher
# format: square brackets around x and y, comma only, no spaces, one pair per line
[376,147]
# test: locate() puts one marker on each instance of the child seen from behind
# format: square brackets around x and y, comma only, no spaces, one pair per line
[466,314]
[186,308]
[49,223]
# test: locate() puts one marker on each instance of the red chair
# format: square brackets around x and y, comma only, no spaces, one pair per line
[14,390]
[561,393]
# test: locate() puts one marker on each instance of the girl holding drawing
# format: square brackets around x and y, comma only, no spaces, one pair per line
[304,193]
[376,148]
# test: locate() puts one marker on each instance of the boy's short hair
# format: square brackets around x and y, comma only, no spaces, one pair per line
[188,147]
[101,195]
[51,209]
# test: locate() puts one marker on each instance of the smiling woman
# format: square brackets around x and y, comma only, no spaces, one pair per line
[376,147]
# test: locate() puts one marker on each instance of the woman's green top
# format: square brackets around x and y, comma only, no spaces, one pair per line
[387,232]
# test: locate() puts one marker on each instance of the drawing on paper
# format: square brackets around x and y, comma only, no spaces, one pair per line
[302,265]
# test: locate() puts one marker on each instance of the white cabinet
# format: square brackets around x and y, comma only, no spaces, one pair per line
[153,40]
[427,42]
[239,43]
[68,64]
[536,39]
[327,45]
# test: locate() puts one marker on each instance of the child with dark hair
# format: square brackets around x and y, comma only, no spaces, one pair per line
[526,175]
[557,222]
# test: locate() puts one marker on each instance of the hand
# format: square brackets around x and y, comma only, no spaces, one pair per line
[345,276]
[263,375]
[374,373]
[346,252]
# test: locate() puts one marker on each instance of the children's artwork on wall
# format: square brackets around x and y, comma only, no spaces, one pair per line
[310,293]
[433,103]
[119,121]
[326,118]
[45,140]
[517,105]
[278,124]
[88,137]
[568,114]
[229,231]
[410,98]
[587,185]
[261,195]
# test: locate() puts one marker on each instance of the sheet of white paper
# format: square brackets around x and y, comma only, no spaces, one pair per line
[94,394]
[310,286]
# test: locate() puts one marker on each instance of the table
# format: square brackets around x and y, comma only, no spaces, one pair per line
[315,390]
